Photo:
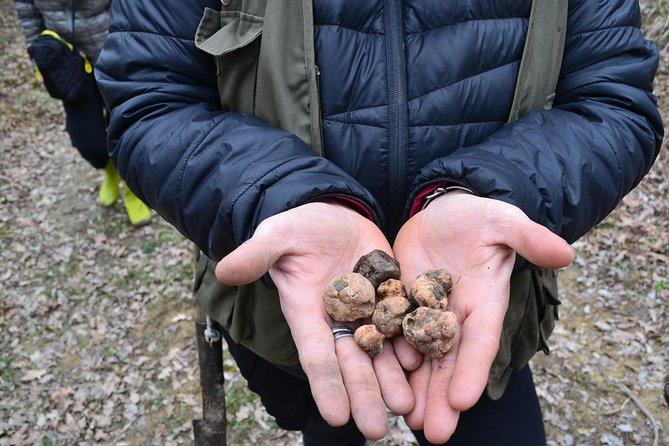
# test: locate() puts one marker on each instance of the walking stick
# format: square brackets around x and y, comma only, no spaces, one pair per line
[210,430]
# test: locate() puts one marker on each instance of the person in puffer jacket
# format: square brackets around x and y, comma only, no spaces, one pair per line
[414,99]
[85,119]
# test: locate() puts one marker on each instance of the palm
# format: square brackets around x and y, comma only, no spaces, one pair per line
[468,250]
[475,239]
[323,242]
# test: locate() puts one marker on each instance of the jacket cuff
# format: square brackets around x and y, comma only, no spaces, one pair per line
[489,175]
[355,205]
[349,202]
[421,198]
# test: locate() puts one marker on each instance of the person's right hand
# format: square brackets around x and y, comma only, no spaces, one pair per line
[303,249]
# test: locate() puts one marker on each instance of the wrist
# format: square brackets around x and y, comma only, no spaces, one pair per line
[349,203]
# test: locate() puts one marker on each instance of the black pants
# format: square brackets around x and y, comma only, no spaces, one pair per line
[513,420]
[86,123]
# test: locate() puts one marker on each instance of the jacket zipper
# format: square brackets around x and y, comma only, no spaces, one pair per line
[397,113]
[320,113]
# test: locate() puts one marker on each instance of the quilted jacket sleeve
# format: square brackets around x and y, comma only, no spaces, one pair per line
[213,175]
[568,167]
[30,19]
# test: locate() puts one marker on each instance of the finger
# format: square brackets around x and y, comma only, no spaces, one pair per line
[395,388]
[477,348]
[419,380]
[314,342]
[249,262]
[409,357]
[537,243]
[362,387]
[441,418]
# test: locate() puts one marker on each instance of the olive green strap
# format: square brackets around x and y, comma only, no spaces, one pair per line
[286,70]
[533,301]
[312,75]
[542,58]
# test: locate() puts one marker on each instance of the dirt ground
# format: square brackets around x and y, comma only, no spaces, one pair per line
[96,331]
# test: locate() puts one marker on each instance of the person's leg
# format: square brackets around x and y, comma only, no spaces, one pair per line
[318,433]
[515,419]
[86,124]
[139,214]
[109,189]
[286,395]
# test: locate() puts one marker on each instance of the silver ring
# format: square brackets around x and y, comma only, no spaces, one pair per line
[341,331]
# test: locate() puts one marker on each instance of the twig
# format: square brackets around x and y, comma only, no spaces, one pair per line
[618,410]
[656,432]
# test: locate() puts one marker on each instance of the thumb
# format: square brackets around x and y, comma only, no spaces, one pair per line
[539,245]
[249,262]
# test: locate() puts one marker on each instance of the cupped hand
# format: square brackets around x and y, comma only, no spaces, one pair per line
[303,249]
[476,239]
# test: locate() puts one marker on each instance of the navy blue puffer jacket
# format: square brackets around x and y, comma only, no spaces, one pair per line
[414,92]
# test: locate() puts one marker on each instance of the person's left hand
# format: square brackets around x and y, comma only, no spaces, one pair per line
[476,240]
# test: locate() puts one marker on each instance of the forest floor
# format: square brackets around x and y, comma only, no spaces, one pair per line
[96,317]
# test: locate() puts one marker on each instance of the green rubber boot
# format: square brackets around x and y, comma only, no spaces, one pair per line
[139,214]
[109,189]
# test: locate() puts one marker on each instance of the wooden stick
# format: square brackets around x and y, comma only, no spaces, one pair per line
[656,431]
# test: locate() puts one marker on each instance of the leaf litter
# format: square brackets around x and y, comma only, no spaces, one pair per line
[96,317]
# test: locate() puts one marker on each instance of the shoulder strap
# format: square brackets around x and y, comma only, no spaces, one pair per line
[542,57]
[526,330]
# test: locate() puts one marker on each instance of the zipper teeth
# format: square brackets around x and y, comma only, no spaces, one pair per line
[397,106]
[320,111]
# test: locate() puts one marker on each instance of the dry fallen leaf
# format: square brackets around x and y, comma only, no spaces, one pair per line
[33,375]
